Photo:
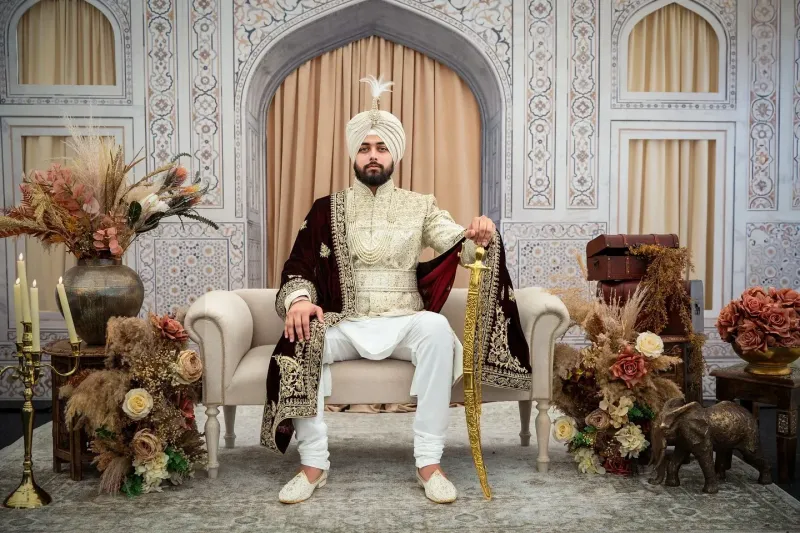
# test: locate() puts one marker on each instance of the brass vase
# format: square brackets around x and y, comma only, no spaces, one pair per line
[98,289]
[773,362]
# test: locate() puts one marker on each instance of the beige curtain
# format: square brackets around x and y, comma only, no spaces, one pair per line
[65,42]
[306,151]
[671,182]
[673,50]
[45,266]
[61,42]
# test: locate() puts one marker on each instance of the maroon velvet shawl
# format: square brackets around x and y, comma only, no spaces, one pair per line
[319,262]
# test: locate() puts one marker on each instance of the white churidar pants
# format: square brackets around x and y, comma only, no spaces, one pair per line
[423,338]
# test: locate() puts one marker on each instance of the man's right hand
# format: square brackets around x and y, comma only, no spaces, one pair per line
[298,318]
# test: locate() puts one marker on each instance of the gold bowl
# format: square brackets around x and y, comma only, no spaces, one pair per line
[773,362]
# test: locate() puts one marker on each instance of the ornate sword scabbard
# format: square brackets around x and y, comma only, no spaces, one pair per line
[472,369]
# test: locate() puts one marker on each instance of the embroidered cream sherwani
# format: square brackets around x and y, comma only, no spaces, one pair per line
[387,231]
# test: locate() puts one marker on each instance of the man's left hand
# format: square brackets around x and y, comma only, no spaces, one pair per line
[481,230]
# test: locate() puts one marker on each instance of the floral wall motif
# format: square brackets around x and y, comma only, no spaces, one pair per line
[584,66]
[623,10]
[540,78]
[162,89]
[121,11]
[178,264]
[773,254]
[207,97]
[762,192]
[544,254]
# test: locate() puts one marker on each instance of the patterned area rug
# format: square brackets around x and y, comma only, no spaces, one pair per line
[372,488]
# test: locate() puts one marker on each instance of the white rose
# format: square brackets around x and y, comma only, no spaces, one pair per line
[161,207]
[137,404]
[649,344]
[564,429]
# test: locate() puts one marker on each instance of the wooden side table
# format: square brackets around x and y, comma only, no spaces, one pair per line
[71,447]
[733,383]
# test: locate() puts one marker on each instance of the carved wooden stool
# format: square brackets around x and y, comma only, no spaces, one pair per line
[733,383]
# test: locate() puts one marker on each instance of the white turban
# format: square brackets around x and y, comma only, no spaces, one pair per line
[376,122]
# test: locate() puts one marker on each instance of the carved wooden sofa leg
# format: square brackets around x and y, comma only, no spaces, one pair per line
[212,439]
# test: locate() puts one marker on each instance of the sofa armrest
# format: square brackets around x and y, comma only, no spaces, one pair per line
[220,322]
[544,317]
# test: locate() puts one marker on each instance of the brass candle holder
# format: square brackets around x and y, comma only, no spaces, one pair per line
[28,494]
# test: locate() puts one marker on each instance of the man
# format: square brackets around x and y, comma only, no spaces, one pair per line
[353,288]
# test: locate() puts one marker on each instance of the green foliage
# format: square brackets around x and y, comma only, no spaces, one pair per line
[134,212]
[133,485]
[103,433]
[177,461]
[640,412]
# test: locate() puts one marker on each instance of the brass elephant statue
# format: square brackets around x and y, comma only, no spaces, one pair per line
[700,431]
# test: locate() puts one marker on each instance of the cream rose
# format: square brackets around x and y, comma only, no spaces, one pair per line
[137,404]
[564,429]
[649,344]
[188,367]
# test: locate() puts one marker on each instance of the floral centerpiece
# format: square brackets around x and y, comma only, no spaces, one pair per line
[611,390]
[139,411]
[763,326]
[90,204]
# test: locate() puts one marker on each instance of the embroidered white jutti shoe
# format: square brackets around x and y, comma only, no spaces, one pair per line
[300,488]
[438,488]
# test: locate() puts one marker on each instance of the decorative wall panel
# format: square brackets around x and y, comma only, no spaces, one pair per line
[773,254]
[207,97]
[545,254]
[796,144]
[177,265]
[624,10]
[121,11]
[540,78]
[162,82]
[762,192]
[584,66]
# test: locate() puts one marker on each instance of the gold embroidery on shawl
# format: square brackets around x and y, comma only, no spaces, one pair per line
[295,283]
[324,251]
[298,396]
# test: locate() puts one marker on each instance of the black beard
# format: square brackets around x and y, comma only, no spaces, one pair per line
[373,180]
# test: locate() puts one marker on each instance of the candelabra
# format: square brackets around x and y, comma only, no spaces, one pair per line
[28,494]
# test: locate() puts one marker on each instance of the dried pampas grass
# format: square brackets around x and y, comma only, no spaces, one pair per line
[97,402]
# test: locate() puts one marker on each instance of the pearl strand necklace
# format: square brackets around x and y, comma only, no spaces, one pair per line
[370,255]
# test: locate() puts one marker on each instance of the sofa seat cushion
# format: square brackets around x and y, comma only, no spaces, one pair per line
[359,381]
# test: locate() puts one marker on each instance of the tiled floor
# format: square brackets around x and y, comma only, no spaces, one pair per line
[11,430]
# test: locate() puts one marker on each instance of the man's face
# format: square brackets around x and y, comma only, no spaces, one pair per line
[373,165]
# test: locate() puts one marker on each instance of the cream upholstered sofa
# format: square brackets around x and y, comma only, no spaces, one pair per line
[237,330]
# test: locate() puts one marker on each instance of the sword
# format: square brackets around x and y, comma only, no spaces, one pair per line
[472,371]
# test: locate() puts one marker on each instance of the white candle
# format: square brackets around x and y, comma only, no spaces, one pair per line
[35,316]
[18,310]
[62,296]
[23,279]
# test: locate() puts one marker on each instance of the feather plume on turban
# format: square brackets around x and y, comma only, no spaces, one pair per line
[376,122]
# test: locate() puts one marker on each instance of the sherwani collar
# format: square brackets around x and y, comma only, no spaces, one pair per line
[362,190]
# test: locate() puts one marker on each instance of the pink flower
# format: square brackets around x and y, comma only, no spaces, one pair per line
[728,321]
[778,320]
[786,297]
[630,367]
[754,300]
[751,336]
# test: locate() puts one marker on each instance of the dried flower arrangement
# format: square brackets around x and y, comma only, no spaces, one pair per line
[611,390]
[91,207]
[139,411]
[760,320]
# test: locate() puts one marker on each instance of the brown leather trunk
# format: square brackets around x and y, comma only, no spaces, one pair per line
[608,257]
